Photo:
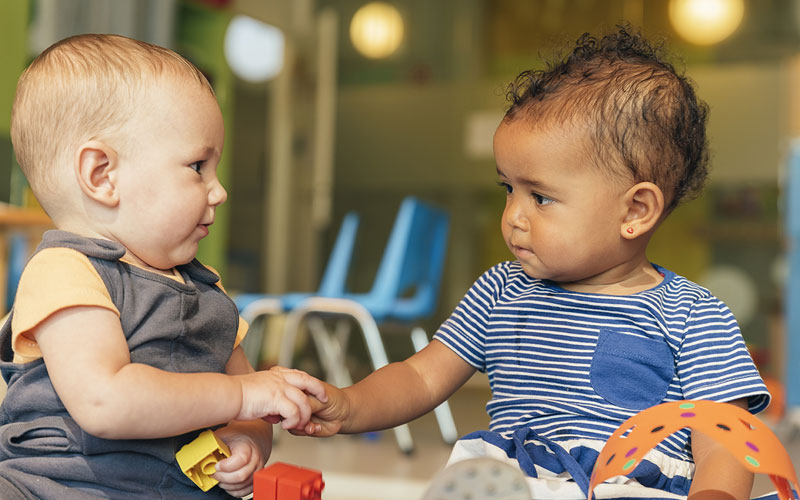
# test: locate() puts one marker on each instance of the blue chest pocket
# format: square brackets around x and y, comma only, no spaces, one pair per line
[631,372]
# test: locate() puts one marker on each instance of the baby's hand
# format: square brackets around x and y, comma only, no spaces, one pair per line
[279,394]
[328,417]
[235,473]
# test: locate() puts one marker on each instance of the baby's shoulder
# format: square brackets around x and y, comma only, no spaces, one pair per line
[677,285]
[509,270]
[57,264]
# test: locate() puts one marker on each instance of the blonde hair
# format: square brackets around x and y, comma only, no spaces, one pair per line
[81,88]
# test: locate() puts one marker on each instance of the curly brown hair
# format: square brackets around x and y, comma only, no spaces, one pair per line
[640,112]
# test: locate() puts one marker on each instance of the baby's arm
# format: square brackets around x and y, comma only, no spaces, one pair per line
[392,395]
[718,474]
[89,364]
[250,442]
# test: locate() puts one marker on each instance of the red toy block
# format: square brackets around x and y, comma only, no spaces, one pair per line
[281,481]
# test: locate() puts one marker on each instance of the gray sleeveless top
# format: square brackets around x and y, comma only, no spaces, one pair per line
[178,327]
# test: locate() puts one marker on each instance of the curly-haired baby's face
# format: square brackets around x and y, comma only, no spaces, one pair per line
[562,215]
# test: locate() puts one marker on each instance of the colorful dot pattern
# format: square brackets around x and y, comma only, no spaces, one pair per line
[756,448]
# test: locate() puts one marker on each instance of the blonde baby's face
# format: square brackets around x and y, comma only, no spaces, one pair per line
[169,190]
[563,213]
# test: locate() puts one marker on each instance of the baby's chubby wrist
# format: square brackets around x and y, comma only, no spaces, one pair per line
[279,394]
[344,409]
[244,384]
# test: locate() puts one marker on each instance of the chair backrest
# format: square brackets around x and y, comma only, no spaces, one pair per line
[332,284]
[334,278]
[409,276]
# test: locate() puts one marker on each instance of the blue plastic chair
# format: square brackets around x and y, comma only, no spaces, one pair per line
[18,252]
[254,305]
[405,290]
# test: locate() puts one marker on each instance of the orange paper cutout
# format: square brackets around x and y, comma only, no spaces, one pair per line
[742,434]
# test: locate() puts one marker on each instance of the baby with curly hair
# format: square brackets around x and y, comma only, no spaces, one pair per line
[581,331]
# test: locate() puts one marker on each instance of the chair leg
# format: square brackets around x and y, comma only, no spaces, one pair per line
[342,332]
[254,341]
[252,345]
[444,417]
[377,353]
[372,338]
[290,330]
[331,352]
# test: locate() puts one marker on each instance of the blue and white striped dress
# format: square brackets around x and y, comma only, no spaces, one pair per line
[567,368]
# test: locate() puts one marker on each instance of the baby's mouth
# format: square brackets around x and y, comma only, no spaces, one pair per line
[521,251]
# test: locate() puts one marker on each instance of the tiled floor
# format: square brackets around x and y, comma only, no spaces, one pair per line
[372,467]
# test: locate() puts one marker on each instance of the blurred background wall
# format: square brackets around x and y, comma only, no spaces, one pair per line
[324,127]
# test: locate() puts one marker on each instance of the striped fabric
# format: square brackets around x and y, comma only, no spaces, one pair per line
[571,366]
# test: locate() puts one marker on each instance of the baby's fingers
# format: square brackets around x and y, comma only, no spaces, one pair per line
[290,414]
[272,419]
[302,409]
[305,382]
[235,474]
[238,489]
[230,465]
[313,428]
[316,405]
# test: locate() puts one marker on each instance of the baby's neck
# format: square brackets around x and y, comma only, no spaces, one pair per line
[170,273]
[638,280]
[130,258]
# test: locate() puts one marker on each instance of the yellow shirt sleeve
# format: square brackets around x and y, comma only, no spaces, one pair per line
[54,279]
[241,333]
[57,279]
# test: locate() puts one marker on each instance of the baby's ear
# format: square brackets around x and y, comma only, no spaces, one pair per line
[96,168]
[645,206]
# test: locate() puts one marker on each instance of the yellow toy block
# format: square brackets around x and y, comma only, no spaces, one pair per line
[199,458]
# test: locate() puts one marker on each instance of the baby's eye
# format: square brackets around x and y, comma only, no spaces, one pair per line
[505,186]
[196,166]
[542,200]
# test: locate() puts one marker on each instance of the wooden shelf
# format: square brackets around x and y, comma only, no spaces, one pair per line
[11,216]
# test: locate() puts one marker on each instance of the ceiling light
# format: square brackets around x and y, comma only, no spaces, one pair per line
[705,22]
[254,50]
[376,30]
